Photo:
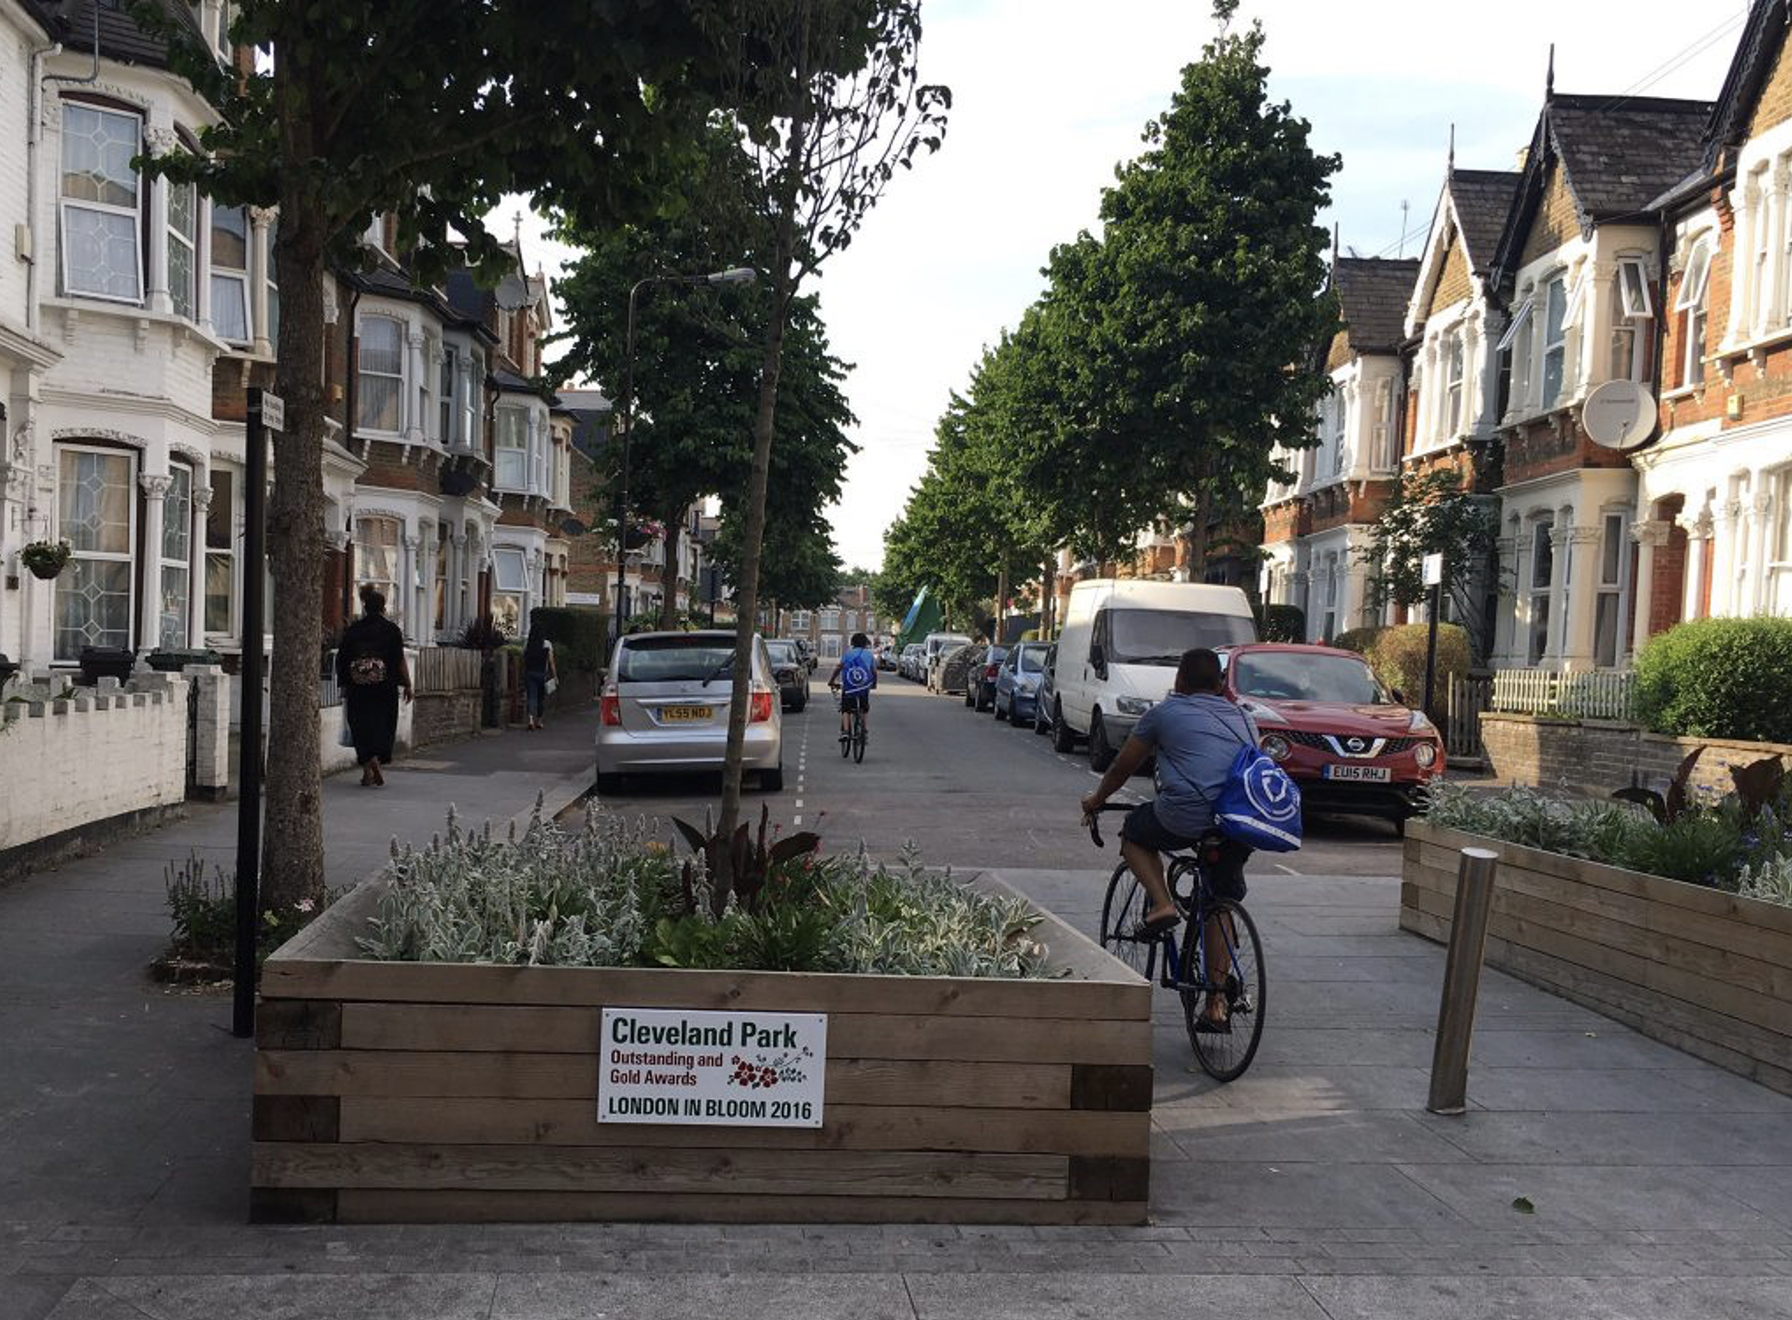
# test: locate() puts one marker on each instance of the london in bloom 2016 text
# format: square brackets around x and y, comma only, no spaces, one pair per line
[677,1066]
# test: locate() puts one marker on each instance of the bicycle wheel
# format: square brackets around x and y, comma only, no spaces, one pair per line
[1121,912]
[1225,1056]
[846,742]
[859,737]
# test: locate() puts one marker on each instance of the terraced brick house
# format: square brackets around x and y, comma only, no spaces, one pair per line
[1316,526]
[1579,268]
[1713,529]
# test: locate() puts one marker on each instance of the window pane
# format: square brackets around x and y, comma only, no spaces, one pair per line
[173,631]
[97,149]
[177,516]
[507,570]
[230,238]
[378,403]
[96,502]
[219,516]
[511,469]
[1611,552]
[1605,631]
[93,606]
[381,347]
[230,308]
[180,277]
[217,593]
[512,429]
[1633,289]
[102,253]
[1542,556]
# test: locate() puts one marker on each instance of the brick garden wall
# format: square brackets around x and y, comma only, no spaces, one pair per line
[1598,756]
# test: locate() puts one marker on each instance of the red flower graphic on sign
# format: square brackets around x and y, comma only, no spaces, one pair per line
[760,1072]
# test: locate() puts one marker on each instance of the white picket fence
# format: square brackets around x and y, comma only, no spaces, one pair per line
[1598,694]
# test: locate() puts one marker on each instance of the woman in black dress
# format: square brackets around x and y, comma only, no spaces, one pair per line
[371,672]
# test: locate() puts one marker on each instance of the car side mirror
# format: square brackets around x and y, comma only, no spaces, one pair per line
[1398,696]
[1098,658]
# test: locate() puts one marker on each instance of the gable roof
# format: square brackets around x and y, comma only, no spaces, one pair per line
[1482,199]
[1618,155]
[1763,35]
[1373,293]
[71,22]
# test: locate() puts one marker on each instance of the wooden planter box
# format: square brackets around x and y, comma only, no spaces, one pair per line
[438,1092]
[1696,968]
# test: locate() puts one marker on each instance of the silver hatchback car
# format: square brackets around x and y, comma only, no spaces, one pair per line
[664,709]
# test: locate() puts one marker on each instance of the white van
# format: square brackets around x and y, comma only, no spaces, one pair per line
[1118,651]
[935,647]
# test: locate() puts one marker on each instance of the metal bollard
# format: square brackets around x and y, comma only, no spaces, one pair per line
[1462,981]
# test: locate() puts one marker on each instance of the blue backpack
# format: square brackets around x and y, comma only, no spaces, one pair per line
[1259,805]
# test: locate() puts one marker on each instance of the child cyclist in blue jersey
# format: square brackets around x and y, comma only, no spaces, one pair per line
[853,678]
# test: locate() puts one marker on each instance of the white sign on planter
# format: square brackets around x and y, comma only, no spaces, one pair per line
[671,1065]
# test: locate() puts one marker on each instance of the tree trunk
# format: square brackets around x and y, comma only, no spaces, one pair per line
[1196,536]
[1001,601]
[669,578]
[1048,598]
[292,848]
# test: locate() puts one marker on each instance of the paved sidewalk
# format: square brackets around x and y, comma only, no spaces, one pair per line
[1316,1187]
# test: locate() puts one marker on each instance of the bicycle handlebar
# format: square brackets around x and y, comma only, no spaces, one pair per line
[1093,819]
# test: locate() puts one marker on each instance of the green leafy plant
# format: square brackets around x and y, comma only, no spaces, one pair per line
[202,910]
[1699,847]
[1283,623]
[1358,639]
[1397,655]
[1665,807]
[748,860]
[46,559]
[1769,880]
[1719,678]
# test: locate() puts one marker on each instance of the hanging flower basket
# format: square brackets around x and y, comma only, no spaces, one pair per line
[46,559]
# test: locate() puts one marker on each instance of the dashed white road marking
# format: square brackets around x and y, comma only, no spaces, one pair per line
[799,802]
[796,820]
[1286,870]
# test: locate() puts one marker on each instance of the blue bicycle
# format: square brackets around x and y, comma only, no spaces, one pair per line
[1217,968]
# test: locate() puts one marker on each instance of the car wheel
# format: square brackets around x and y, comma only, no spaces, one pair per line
[970,701]
[802,705]
[772,781]
[609,785]
[997,703]
[1101,756]
[1399,827]
[1063,740]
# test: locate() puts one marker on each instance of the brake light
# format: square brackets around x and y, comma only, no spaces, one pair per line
[761,709]
[989,671]
[610,709]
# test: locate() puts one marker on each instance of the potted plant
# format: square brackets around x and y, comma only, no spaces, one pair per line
[46,559]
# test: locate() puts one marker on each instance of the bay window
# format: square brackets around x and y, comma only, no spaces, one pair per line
[426,412]
[1542,577]
[1690,306]
[97,516]
[1633,313]
[1609,613]
[1555,339]
[1452,383]
[510,440]
[449,413]
[101,203]
[1515,349]
[183,247]
[376,559]
[230,273]
[1386,443]
[220,554]
[380,374]
[177,558]
[510,583]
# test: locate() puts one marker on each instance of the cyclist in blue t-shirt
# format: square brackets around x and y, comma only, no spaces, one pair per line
[853,678]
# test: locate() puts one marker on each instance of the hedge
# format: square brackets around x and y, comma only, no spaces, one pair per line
[1397,655]
[1283,623]
[1719,678]
[580,633]
[1358,639]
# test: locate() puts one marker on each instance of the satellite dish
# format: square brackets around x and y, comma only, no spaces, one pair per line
[1619,414]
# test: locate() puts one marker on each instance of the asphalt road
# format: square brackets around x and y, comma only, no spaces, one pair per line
[965,790]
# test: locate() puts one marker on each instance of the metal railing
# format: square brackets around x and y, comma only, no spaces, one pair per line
[447,669]
[1598,694]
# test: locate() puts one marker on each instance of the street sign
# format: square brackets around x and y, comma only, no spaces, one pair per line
[672,1065]
[273,411]
[1434,570]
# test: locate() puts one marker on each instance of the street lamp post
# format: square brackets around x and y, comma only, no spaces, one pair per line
[733,275]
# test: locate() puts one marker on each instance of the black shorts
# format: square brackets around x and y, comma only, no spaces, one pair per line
[1143,827]
[855,701]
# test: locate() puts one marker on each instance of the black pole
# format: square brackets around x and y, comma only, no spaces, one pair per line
[248,807]
[1437,604]
[628,403]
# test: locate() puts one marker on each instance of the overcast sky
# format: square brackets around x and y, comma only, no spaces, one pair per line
[1049,94]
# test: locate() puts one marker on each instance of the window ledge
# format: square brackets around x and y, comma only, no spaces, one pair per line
[1682,392]
[136,312]
[1747,347]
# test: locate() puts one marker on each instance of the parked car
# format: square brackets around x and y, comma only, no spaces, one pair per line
[980,683]
[935,647]
[886,657]
[791,673]
[1118,652]
[1349,743]
[1017,683]
[908,664]
[664,708]
[1043,703]
[809,657]
[952,669]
